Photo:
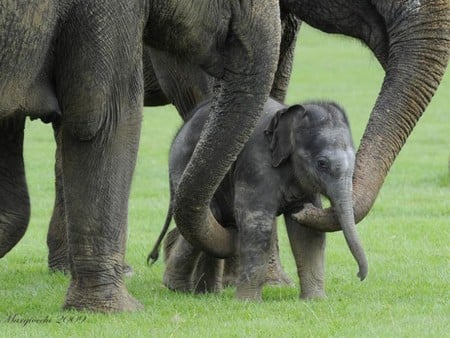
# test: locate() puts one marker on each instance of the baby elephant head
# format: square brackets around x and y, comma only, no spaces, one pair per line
[315,139]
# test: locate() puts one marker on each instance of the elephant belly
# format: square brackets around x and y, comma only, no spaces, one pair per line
[26,34]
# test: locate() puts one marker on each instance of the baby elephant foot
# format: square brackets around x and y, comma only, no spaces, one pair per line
[207,275]
[312,286]
[277,276]
[101,299]
[204,285]
[177,282]
[310,293]
[249,292]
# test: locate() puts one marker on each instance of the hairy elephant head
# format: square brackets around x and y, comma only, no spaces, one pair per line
[411,41]
[316,137]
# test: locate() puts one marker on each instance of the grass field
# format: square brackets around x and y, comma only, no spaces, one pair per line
[406,235]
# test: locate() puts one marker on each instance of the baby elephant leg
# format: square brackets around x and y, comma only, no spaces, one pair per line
[207,275]
[275,274]
[308,247]
[255,234]
[181,259]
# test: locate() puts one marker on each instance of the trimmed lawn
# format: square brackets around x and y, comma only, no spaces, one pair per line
[406,235]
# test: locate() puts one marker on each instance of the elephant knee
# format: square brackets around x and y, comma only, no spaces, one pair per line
[85,128]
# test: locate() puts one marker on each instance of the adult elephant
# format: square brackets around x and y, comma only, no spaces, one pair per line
[410,40]
[79,60]
[171,79]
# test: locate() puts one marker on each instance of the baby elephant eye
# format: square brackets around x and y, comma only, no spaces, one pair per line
[323,164]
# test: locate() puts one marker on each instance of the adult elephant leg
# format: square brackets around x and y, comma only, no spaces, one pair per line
[290,26]
[253,49]
[14,199]
[58,251]
[96,205]
[58,255]
[101,101]
[186,84]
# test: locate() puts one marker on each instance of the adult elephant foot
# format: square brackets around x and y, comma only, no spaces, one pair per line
[14,200]
[127,270]
[58,263]
[103,298]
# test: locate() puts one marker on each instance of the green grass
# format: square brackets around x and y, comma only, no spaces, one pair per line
[406,235]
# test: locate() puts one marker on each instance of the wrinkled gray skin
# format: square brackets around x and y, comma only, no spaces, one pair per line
[83,60]
[170,79]
[411,41]
[58,56]
[295,154]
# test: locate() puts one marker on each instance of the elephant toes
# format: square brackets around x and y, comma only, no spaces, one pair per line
[105,299]
[312,287]
[312,294]
[249,293]
[127,270]
[275,274]
[280,278]
[203,286]
[177,283]
[229,280]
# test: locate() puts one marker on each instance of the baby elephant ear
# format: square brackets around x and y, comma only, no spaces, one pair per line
[280,133]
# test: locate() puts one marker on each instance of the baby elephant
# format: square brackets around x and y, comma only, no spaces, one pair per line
[295,154]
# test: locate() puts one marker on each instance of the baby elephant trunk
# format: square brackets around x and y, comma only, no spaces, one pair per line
[341,198]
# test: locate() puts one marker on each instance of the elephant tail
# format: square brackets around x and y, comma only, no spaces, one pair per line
[154,254]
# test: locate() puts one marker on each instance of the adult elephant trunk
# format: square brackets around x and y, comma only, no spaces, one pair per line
[249,67]
[419,43]
[340,195]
